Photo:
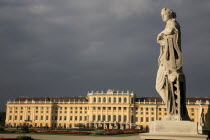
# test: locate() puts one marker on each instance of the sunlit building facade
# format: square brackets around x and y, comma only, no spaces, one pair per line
[108,110]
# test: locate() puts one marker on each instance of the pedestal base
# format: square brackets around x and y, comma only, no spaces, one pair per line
[180,127]
[173,130]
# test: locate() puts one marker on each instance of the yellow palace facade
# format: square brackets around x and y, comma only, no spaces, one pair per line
[109,110]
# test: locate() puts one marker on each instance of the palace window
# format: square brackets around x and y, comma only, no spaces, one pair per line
[21,117]
[114,99]
[125,118]
[85,118]
[104,108]
[94,99]
[104,118]
[64,118]
[99,117]
[94,117]
[99,108]
[99,99]
[104,100]
[110,100]
[114,108]
[46,117]
[70,118]
[119,108]
[142,119]
[109,108]
[114,118]
[124,108]
[75,118]
[109,118]
[119,118]
[60,118]
[120,100]
[125,100]
[152,119]
[15,117]
[132,118]
[147,119]
[80,118]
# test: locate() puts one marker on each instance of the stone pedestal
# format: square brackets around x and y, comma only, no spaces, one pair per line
[173,130]
[183,127]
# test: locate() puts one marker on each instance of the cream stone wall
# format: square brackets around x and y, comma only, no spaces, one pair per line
[109,110]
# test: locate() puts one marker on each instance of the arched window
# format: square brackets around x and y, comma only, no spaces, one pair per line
[120,100]
[94,99]
[94,117]
[125,100]
[125,118]
[110,100]
[109,118]
[119,118]
[132,119]
[114,118]
[104,118]
[114,99]
[104,100]
[99,117]
[99,99]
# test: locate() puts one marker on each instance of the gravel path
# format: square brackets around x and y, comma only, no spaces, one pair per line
[63,137]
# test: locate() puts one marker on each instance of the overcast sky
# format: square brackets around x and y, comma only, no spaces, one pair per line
[70,47]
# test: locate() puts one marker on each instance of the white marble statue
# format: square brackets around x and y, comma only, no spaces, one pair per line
[201,115]
[170,81]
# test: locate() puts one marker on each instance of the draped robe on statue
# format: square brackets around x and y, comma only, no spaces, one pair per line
[170,81]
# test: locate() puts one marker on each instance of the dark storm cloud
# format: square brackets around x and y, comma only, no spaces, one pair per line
[66,48]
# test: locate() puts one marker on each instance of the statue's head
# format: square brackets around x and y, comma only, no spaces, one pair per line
[167,14]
